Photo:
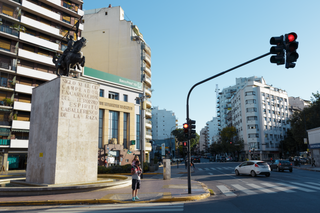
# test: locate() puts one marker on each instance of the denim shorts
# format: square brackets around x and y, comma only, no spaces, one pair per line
[135,184]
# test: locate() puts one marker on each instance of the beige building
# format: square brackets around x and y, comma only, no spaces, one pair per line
[117,48]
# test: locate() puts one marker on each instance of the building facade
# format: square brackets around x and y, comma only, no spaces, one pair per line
[117,47]
[31,33]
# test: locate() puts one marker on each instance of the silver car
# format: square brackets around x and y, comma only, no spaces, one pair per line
[253,168]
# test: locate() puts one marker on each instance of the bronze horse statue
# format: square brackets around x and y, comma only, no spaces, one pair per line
[70,58]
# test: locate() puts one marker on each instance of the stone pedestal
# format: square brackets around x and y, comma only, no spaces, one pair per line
[166,169]
[63,138]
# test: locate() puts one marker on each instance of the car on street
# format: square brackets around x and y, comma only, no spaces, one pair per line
[281,165]
[212,159]
[253,168]
[195,159]
[223,159]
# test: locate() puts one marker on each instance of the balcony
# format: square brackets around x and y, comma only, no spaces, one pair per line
[35,74]
[147,80]
[23,89]
[147,59]
[149,104]
[20,124]
[22,106]
[148,114]
[39,41]
[148,124]
[40,10]
[7,29]
[148,93]
[4,142]
[146,70]
[35,57]
[5,84]
[40,26]
[16,143]
[148,147]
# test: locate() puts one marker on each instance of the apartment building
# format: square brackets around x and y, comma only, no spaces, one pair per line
[31,33]
[116,47]
[260,114]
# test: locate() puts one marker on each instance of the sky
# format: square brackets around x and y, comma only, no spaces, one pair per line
[194,40]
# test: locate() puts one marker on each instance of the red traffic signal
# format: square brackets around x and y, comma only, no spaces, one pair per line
[184,143]
[186,128]
[291,37]
[291,47]
[230,142]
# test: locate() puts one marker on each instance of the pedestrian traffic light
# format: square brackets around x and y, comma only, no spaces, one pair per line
[186,130]
[184,143]
[291,47]
[278,50]
[231,142]
[192,127]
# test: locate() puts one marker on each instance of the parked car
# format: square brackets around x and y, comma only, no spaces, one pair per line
[195,159]
[281,165]
[228,159]
[223,159]
[253,168]
[212,159]
[303,160]
[218,158]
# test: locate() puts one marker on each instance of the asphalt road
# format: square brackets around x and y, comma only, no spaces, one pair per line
[283,192]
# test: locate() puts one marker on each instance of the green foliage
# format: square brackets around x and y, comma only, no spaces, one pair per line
[7,101]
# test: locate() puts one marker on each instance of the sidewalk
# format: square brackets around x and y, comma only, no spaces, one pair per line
[153,189]
[308,167]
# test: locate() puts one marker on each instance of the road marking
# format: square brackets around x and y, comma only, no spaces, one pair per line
[245,190]
[218,168]
[231,168]
[226,191]
[210,173]
[317,184]
[206,168]
[305,185]
[213,168]
[280,188]
[296,187]
[260,188]
[200,169]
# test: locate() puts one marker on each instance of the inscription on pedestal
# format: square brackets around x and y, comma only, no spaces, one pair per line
[79,100]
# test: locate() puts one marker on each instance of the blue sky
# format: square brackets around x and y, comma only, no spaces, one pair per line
[193,40]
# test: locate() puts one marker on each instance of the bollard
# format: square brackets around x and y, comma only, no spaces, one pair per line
[166,169]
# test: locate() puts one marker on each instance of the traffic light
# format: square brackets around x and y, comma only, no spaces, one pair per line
[291,47]
[186,130]
[192,127]
[231,142]
[278,50]
[185,147]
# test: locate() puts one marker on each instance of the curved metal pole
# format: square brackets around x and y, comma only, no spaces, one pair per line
[201,82]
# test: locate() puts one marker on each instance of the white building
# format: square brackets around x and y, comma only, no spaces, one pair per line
[31,33]
[163,123]
[260,114]
[213,130]
[297,103]
[202,140]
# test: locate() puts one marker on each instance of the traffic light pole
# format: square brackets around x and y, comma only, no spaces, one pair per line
[201,82]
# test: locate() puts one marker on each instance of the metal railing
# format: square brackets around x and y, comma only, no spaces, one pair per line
[5,142]
[8,30]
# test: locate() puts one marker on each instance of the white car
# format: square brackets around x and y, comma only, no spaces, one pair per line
[253,168]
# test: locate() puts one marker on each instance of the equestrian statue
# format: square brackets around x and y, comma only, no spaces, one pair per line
[72,57]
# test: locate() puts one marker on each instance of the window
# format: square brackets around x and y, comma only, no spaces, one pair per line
[253,109]
[252,118]
[251,101]
[253,126]
[138,131]
[253,135]
[113,124]
[7,10]
[125,129]
[101,111]
[5,44]
[101,93]
[114,95]
[250,93]
[125,98]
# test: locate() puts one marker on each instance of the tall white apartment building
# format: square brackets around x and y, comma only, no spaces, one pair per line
[117,47]
[31,33]
[163,123]
[213,130]
[297,103]
[203,139]
[260,114]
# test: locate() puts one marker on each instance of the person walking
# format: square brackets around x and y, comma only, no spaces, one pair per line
[136,158]
[313,163]
[136,181]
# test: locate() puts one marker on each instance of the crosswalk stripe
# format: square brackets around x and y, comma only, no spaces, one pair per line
[210,173]
[213,168]
[280,188]
[296,187]
[218,168]
[226,191]
[305,185]
[317,184]
[231,168]
[260,188]
[245,190]
[200,169]
[206,168]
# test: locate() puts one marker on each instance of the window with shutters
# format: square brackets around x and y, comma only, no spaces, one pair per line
[30,15]
[5,44]
[45,21]
[26,64]
[7,10]
[24,98]
[43,52]
[28,48]
[26,81]
[45,37]
[5,62]
[31,32]
[66,19]
[23,116]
